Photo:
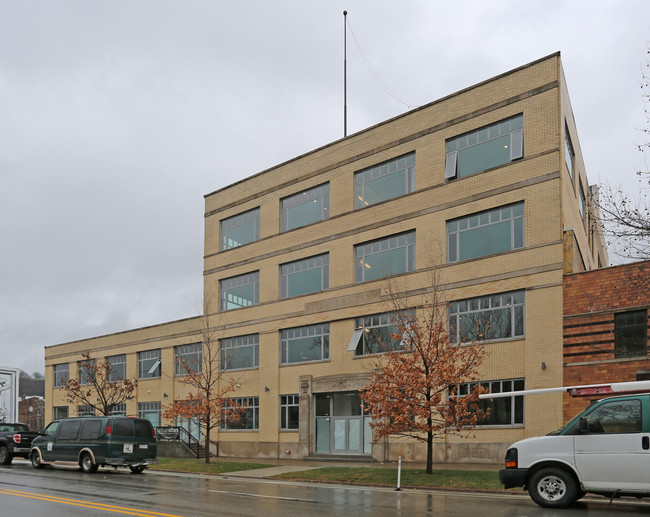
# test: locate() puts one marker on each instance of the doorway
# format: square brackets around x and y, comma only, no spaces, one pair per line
[341,426]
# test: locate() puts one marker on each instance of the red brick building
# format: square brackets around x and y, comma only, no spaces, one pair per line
[605,328]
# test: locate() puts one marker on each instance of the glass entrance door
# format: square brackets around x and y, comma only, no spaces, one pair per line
[341,427]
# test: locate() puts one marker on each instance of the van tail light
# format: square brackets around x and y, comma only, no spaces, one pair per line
[109,429]
[16,438]
[154,431]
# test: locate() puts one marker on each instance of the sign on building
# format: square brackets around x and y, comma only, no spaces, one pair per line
[9,394]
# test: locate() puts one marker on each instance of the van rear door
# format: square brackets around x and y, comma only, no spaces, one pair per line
[122,439]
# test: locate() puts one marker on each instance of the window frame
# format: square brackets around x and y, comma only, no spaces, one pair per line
[621,328]
[301,199]
[296,267]
[517,403]
[582,200]
[86,410]
[374,248]
[61,377]
[150,408]
[287,403]
[238,343]
[252,406]
[237,221]
[83,377]
[117,368]
[149,355]
[226,285]
[363,324]
[193,350]
[384,170]
[569,153]
[320,330]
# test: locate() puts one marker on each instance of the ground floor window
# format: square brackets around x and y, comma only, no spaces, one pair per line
[289,412]
[150,411]
[60,412]
[86,410]
[118,410]
[504,411]
[250,417]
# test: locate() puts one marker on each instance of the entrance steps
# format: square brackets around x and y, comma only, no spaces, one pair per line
[341,458]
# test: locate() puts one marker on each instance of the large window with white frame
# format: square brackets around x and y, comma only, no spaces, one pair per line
[485,318]
[248,409]
[239,291]
[188,358]
[240,229]
[503,411]
[289,412]
[384,181]
[384,257]
[307,207]
[485,148]
[304,344]
[150,411]
[117,368]
[238,353]
[486,233]
[304,276]
[379,333]
[149,364]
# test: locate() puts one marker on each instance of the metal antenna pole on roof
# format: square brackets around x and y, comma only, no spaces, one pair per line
[345,75]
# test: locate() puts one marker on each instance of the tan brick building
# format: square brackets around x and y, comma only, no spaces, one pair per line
[605,328]
[488,184]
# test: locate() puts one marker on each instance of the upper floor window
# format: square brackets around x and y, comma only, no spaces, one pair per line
[499,316]
[83,410]
[87,372]
[484,148]
[384,257]
[149,364]
[240,352]
[309,343]
[384,181]
[309,206]
[240,229]
[581,194]
[503,410]
[304,276]
[61,374]
[631,333]
[376,333]
[486,233]
[117,370]
[569,154]
[239,291]
[188,358]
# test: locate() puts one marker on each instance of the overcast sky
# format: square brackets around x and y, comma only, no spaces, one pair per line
[117,117]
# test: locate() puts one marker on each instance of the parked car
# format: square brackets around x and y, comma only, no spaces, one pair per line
[96,441]
[15,440]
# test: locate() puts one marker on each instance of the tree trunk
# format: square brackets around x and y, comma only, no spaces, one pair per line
[429,451]
[207,440]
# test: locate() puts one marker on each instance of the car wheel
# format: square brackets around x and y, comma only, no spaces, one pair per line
[36,460]
[86,463]
[553,488]
[139,469]
[5,457]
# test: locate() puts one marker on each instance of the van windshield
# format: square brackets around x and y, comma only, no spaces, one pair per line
[566,426]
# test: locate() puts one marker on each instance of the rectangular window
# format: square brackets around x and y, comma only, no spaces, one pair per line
[188,358]
[505,411]
[486,233]
[118,410]
[240,229]
[384,181]
[117,368]
[61,374]
[69,429]
[150,411]
[240,352]
[377,333]
[485,148]
[306,207]
[569,154]
[499,316]
[239,291]
[289,412]
[250,418]
[86,371]
[85,410]
[305,276]
[631,334]
[302,344]
[90,430]
[149,364]
[581,194]
[60,412]
[385,257]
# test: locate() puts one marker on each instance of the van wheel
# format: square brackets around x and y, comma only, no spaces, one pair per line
[86,463]
[36,460]
[553,488]
[5,457]
[139,469]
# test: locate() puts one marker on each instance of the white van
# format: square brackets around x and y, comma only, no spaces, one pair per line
[604,450]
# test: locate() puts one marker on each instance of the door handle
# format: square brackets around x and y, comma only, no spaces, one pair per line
[645,443]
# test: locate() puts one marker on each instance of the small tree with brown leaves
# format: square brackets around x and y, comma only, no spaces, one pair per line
[410,393]
[208,403]
[99,386]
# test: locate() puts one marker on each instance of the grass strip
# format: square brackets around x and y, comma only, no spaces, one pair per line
[199,466]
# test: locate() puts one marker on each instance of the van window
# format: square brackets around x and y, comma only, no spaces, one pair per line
[90,430]
[621,416]
[69,429]
[122,427]
[143,429]
[50,430]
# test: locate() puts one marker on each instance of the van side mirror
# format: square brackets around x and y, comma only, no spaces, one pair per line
[583,426]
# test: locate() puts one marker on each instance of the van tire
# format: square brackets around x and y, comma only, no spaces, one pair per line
[86,463]
[553,488]
[35,458]
[137,469]
[5,457]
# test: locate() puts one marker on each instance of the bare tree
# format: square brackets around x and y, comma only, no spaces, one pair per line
[99,386]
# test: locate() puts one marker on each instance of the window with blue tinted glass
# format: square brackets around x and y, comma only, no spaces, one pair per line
[485,148]
[384,181]
[304,276]
[239,291]
[306,207]
[385,257]
[486,233]
[240,229]
[240,352]
[303,344]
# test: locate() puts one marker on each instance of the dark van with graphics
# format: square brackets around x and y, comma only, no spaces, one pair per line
[96,441]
